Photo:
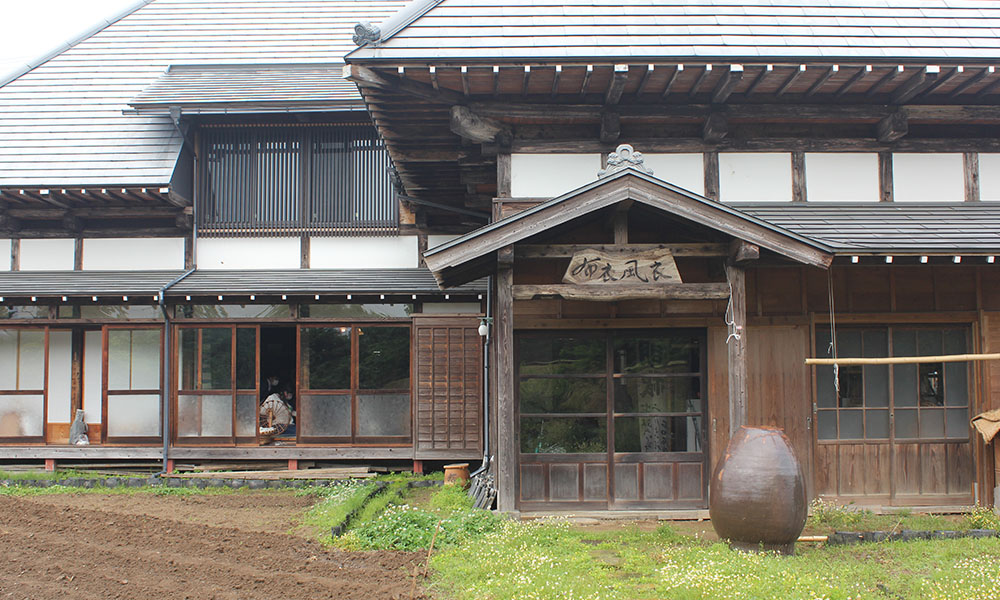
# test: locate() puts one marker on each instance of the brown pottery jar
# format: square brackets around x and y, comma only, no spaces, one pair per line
[758,494]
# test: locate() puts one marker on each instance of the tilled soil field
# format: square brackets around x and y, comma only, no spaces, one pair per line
[199,547]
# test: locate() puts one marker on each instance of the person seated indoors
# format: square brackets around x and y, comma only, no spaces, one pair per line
[282,412]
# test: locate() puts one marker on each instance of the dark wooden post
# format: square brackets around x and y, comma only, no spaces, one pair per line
[503,335]
[737,352]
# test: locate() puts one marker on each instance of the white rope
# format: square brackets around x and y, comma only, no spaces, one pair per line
[832,350]
[734,329]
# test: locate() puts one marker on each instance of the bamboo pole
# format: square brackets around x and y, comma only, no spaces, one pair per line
[901,360]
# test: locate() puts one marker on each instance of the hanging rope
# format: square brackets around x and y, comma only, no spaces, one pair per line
[734,329]
[832,350]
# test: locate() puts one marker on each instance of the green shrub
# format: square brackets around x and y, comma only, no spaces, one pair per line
[982,518]
[835,516]
[399,528]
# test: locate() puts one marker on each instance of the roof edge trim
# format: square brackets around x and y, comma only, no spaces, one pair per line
[34,64]
[402,19]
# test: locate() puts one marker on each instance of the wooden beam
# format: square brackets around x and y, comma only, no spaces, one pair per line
[616,292]
[555,80]
[916,84]
[741,251]
[673,79]
[611,127]
[467,124]
[586,79]
[952,74]
[645,79]
[833,70]
[799,176]
[711,160]
[798,72]
[568,250]
[503,356]
[503,175]
[767,70]
[620,223]
[885,176]
[884,80]
[893,127]
[617,85]
[464,70]
[863,72]
[715,129]
[987,72]
[365,77]
[736,346]
[729,81]
[705,72]
[970,166]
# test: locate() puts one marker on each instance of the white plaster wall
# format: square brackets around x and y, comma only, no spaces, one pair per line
[755,176]
[437,240]
[928,177]
[124,254]
[5,247]
[842,176]
[60,376]
[989,178]
[47,255]
[363,252]
[249,253]
[683,170]
[551,175]
[93,373]
[451,308]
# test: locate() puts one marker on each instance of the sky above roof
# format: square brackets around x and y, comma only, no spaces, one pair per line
[33,29]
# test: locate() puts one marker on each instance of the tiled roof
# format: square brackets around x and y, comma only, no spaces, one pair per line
[249,88]
[915,228]
[62,123]
[677,29]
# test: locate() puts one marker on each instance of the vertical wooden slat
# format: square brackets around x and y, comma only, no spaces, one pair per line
[737,353]
[711,160]
[885,184]
[506,426]
[970,164]
[799,177]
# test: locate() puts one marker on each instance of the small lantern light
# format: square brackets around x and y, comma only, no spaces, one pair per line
[484,325]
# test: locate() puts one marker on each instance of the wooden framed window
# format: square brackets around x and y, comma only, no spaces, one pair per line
[217,384]
[132,383]
[354,383]
[23,384]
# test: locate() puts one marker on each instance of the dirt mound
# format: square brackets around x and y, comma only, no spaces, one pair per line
[54,547]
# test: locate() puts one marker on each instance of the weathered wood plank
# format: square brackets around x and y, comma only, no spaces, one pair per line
[568,250]
[614,292]
[737,349]
[503,332]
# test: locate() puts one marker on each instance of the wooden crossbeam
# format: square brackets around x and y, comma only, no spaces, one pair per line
[791,80]
[861,74]
[833,70]
[615,292]
[728,82]
[673,78]
[617,85]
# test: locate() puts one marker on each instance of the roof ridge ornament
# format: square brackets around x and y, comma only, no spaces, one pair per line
[365,33]
[624,157]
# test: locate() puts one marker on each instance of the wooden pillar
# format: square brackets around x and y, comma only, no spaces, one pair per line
[737,350]
[418,467]
[293,464]
[503,333]
[170,465]
[50,464]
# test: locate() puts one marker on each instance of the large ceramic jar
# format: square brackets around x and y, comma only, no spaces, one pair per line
[758,493]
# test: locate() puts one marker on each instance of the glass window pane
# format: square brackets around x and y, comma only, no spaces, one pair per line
[662,354]
[187,348]
[561,435]
[204,415]
[31,361]
[826,395]
[956,384]
[929,342]
[904,342]
[384,358]
[216,358]
[827,424]
[931,423]
[848,343]
[957,423]
[876,379]
[876,344]
[146,348]
[134,415]
[904,385]
[955,341]
[117,311]
[235,311]
[648,395]
[931,384]
[246,415]
[383,415]
[564,395]
[850,424]
[119,359]
[906,424]
[851,386]
[561,355]
[35,311]
[658,434]
[876,424]
[324,415]
[326,358]
[8,359]
[355,311]
[21,416]
[822,341]
[246,358]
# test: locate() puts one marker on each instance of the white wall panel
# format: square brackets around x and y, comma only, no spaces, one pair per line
[437,240]
[551,175]
[47,255]
[451,308]
[93,375]
[842,176]
[5,255]
[928,178]
[755,176]
[363,252]
[989,178]
[249,253]
[60,376]
[133,254]
[683,170]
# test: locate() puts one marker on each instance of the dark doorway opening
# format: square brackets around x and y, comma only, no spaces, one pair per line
[277,369]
